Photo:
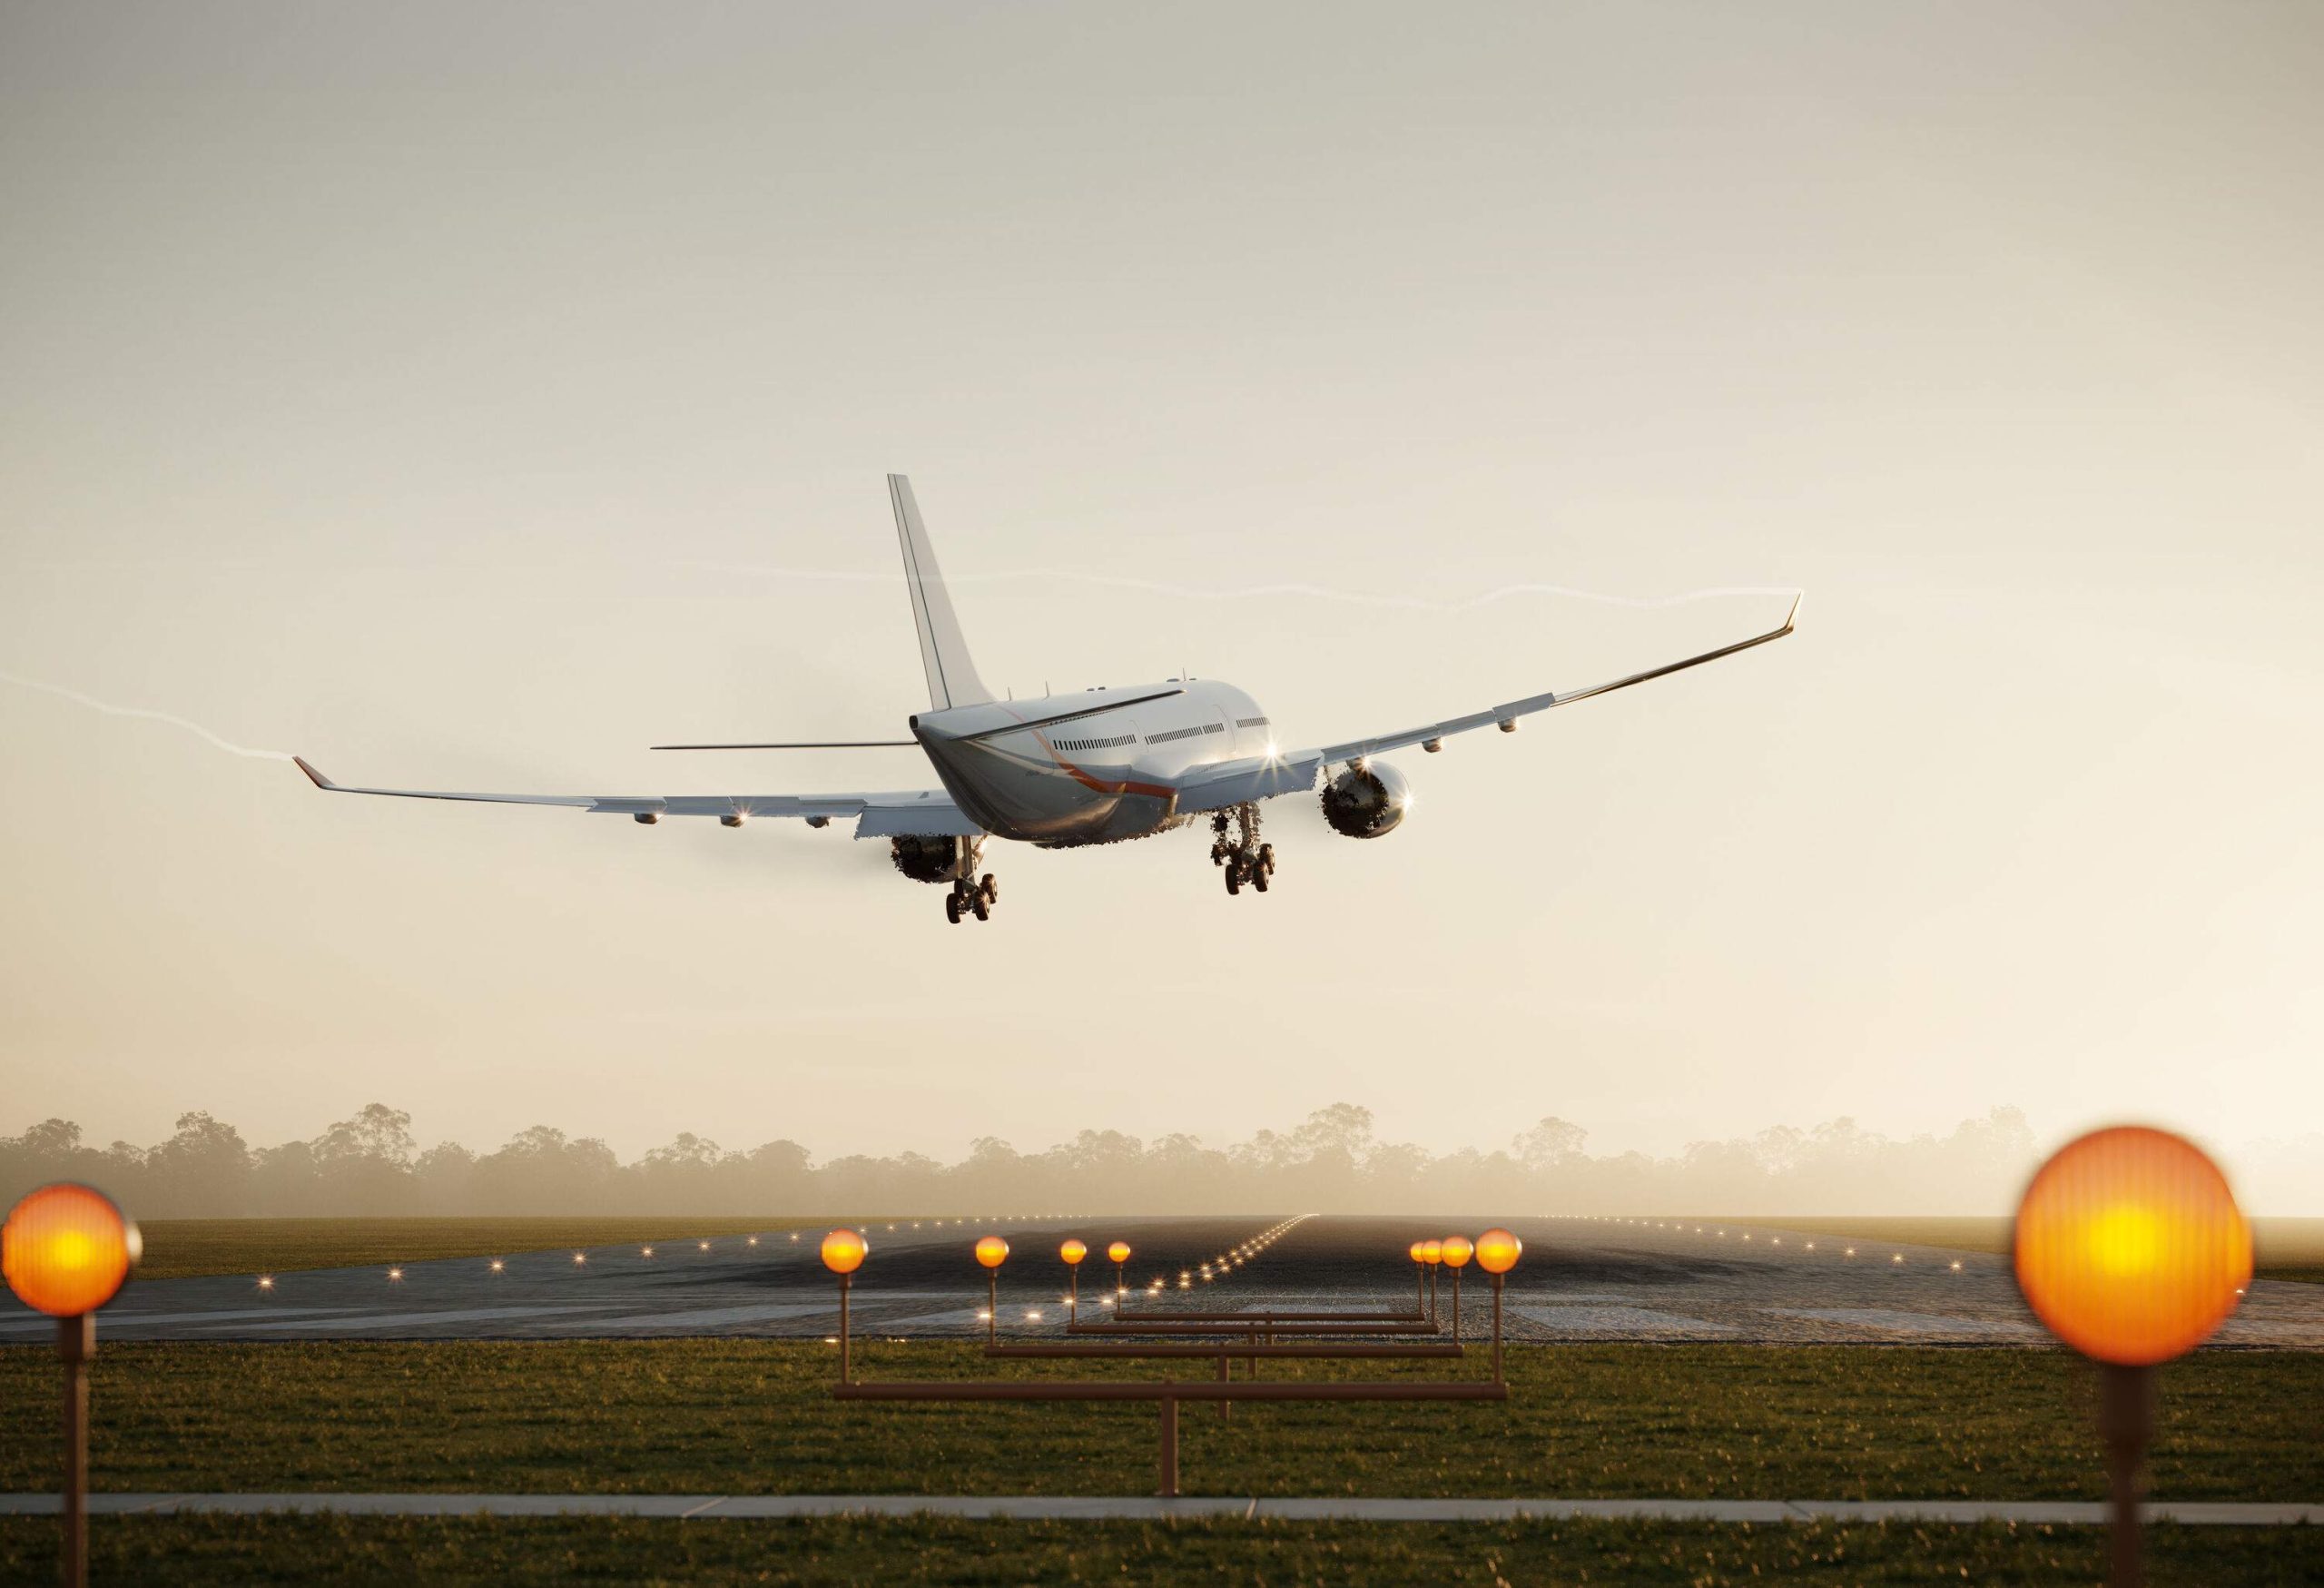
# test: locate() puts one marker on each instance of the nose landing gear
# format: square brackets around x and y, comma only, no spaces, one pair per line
[1244,858]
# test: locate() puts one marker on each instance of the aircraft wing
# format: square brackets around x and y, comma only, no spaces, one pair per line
[1504,715]
[924,812]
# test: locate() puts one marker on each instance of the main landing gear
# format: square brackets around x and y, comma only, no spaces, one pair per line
[968,896]
[1243,858]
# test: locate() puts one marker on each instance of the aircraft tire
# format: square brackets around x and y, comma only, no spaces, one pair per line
[1267,858]
[990,888]
[1260,878]
[952,908]
[1233,880]
[982,905]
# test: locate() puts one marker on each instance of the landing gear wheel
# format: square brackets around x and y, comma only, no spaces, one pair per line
[1260,878]
[990,888]
[1266,859]
[952,908]
[1233,880]
[982,905]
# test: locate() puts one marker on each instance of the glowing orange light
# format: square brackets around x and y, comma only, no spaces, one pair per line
[66,1248]
[844,1251]
[1073,1251]
[1498,1250]
[1432,1251]
[1420,1252]
[2130,1246]
[992,1251]
[1458,1250]
[1118,1252]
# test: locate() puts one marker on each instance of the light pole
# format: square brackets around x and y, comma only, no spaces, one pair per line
[844,1251]
[1432,1252]
[1119,1254]
[1497,1253]
[992,1251]
[64,1250]
[1073,1251]
[1457,1251]
[2130,1247]
[1420,1278]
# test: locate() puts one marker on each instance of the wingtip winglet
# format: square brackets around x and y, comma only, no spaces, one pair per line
[316,778]
[1791,618]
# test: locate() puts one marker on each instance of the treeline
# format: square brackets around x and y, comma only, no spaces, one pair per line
[373,1165]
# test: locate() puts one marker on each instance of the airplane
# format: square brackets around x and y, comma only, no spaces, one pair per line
[1103,766]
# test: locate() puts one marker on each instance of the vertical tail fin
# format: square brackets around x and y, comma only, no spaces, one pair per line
[951,677]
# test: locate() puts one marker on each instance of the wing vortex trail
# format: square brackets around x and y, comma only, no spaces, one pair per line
[109,709]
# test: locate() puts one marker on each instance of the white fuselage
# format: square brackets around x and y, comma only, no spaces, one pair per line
[1096,779]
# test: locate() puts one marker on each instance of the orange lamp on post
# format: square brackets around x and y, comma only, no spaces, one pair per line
[992,1251]
[843,1252]
[1497,1253]
[65,1250]
[1432,1252]
[1457,1250]
[1420,1278]
[1073,1251]
[1118,1255]
[2130,1247]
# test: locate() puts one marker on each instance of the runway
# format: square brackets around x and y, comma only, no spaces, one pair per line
[1581,1279]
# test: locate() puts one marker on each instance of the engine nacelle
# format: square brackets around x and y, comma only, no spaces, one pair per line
[926,860]
[1365,801]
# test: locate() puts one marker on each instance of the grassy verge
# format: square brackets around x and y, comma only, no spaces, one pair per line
[740,1416]
[180,1248]
[2285,1249]
[290,1549]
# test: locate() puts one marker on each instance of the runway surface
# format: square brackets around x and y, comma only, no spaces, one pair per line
[1581,1279]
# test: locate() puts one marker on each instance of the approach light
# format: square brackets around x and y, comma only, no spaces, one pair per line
[496,1265]
[66,1248]
[266,1281]
[394,1275]
[580,1257]
[844,1251]
[645,1251]
[1956,1265]
[1118,1252]
[1073,1251]
[702,1245]
[1420,1252]
[1432,1251]
[2130,1246]
[1498,1250]
[992,1251]
[1458,1250]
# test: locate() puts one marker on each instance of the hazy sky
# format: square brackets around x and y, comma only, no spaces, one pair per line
[471,396]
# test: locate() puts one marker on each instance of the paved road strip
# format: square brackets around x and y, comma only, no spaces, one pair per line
[2034,1512]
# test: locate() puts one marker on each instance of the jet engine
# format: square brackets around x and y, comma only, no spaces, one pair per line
[926,860]
[1365,800]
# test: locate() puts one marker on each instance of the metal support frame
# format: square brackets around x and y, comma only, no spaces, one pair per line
[1169,1393]
[2126,1406]
[76,1342]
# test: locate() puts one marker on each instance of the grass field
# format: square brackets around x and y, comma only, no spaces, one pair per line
[286,1549]
[181,1248]
[2284,1249]
[741,1417]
